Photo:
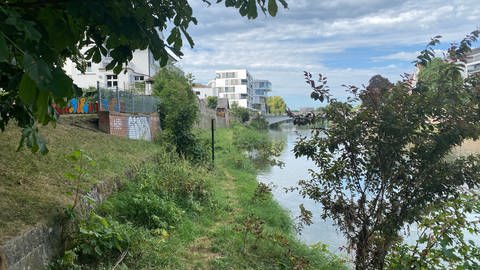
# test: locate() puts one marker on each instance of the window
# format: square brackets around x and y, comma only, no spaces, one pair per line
[229,89]
[227,75]
[138,78]
[244,81]
[243,96]
[112,81]
[88,68]
[197,93]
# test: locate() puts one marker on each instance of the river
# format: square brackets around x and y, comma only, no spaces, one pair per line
[295,169]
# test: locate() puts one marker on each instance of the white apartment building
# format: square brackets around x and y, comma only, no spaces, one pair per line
[261,89]
[236,85]
[473,62]
[136,76]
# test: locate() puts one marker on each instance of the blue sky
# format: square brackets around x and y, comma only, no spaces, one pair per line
[348,41]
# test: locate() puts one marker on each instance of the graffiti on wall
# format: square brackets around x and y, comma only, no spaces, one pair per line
[78,105]
[139,128]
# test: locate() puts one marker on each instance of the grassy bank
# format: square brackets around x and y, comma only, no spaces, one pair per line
[33,187]
[175,215]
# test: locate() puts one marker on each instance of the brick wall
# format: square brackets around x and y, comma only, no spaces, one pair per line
[118,123]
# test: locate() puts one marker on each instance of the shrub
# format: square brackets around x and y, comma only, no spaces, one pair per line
[212,102]
[259,123]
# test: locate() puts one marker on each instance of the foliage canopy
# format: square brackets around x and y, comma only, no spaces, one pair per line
[36,37]
[382,165]
[276,105]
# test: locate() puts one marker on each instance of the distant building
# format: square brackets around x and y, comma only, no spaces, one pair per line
[261,89]
[236,85]
[473,62]
[136,76]
[203,91]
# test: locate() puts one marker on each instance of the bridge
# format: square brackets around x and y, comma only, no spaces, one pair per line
[277,119]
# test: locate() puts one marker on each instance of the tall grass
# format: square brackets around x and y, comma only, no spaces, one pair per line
[178,215]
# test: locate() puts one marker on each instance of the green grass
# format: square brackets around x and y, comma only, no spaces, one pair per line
[33,188]
[214,235]
[197,219]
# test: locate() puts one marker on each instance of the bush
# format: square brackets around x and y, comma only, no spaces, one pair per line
[212,102]
[242,114]
[159,195]
[259,123]
[139,205]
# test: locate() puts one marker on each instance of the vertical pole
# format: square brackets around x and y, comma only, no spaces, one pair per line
[213,140]
[118,100]
[99,96]
[132,96]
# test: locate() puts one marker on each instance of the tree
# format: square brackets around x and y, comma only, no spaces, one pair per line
[212,102]
[276,105]
[383,165]
[241,113]
[178,111]
[36,37]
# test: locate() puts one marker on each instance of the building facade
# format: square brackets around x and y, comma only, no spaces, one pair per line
[473,62]
[236,85]
[260,94]
[203,91]
[136,76]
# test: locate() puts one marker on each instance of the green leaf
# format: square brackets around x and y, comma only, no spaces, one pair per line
[42,107]
[28,90]
[3,49]
[61,84]
[37,69]
[272,7]
[252,9]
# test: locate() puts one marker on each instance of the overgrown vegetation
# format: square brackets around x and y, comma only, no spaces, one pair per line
[259,123]
[178,111]
[212,102]
[240,113]
[387,164]
[176,215]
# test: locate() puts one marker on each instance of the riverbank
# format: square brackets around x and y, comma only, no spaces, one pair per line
[171,214]
[177,215]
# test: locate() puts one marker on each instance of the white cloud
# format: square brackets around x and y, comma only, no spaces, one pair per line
[347,40]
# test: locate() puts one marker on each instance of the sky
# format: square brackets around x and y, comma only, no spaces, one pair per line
[348,41]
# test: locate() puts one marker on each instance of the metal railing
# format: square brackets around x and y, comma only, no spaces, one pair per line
[126,102]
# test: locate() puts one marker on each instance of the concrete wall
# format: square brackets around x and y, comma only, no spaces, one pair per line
[206,115]
[133,126]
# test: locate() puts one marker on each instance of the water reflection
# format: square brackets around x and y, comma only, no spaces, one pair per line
[295,169]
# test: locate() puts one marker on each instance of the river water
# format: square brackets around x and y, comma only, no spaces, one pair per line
[295,169]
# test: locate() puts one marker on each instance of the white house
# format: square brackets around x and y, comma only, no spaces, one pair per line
[203,91]
[261,89]
[236,85]
[136,76]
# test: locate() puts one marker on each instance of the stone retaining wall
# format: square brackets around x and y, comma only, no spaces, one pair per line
[35,248]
